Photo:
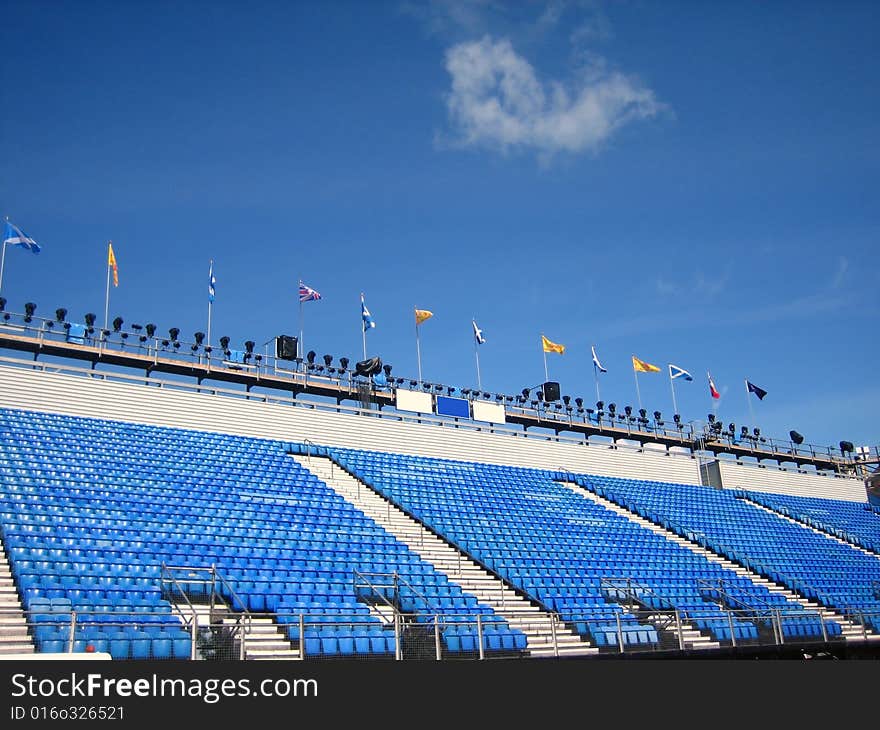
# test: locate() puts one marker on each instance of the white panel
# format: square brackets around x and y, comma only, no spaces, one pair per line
[769,478]
[411,400]
[492,412]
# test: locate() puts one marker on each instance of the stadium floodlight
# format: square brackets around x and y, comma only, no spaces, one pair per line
[566,399]
[117,324]
[2,303]
[328,359]
[343,362]
[677,420]
[150,328]
[612,409]
[310,357]
[756,431]
[400,381]
[90,319]
[438,388]
[249,347]
[174,333]
[199,337]
[600,405]
[29,309]
[413,383]
[387,370]
[60,314]
[539,394]
[711,418]
[525,393]
[744,431]
[731,427]
[628,410]
[795,437]
[846,447]
[579,402]
[643,413]
[224,344]
[465,391]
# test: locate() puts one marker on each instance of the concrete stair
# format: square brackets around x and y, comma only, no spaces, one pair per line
[14,636]
[546,635]
[264,639]
[850,630]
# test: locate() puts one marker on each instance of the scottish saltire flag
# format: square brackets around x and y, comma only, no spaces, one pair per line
[596,360]
[14,236]
[366,316]
[712,389]
[212,282]
[677,372]
[307,294]
[760,392]
[478,333]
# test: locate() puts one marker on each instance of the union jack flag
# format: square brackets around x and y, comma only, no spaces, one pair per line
[307,294]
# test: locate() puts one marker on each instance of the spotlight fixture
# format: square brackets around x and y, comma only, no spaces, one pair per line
[438,388]
[151,330]
[174,333]
[2,303]
[343,362]
[413,383]
[525,393]
[310,358]
[612,409]
[539,394]
[677,419]
[600,405]
[711,418]
[387,370]
[756,431]
[628,410]
[643,413]
[657,415]
[117,324]
[90,319]
[465,391]
[249,347]
[224,344]
[744,431]
[795,437]
[731,427]
[579,402]
[846,447]
[29,310]
[487,395]
[60,314]
[199,337]
[328,359]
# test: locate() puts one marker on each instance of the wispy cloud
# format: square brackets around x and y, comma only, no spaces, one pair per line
[703,285]
[498,102]
[840,275]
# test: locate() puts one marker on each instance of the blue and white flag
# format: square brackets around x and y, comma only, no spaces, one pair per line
[212,282]
[14,236]
[677,372]
[366,316]
[478,333]
[596,360]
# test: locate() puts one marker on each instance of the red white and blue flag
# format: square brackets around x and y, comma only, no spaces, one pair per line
[712,389]
[307,294]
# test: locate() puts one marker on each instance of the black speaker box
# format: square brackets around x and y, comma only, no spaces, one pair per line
[551,391]
[285,347]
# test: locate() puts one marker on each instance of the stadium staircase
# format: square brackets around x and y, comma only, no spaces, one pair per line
[264,639]
[14,638]
[546,635]
[850,630]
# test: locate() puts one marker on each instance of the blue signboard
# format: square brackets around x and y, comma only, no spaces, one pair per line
[456,407]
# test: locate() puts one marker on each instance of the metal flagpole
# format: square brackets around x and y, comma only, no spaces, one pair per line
[418,347]
[477,355]
[638,392]
[210,302]
[301,325]
[596,378]
[107,296]
[749,401]
[672,385]
[2,263]
[364,332]
[546,374]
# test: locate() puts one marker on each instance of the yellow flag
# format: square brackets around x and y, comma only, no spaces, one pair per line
[640,366]
[552,346]
[111,261]
[422,315]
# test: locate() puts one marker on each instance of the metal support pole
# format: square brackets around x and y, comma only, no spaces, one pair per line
[193,636]
[864,627]
[242,630]
[480,635]
[437,647]
[780,638]
[679,630]
[619,632]
[553,636]
[398,653]
[302,637]
[732,634]
[72,636]
[824,632]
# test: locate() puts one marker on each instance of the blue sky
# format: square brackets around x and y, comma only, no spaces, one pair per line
[694,183]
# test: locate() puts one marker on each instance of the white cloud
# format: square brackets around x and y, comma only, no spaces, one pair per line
[497,101]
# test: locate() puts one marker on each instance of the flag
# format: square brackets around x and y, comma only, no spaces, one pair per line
[677,372]
[596,360]
[14,236]
[640,366]
[478,333]
[212,282]
[366,316]
[307,294]
[712,389]
[552,346]
[422,315]
[760,392]
[111,262]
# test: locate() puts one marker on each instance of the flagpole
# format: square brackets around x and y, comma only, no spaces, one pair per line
[749,402]
[107,296]
[546,374]
[477,356]
[596,378]
[2,263]
[672,385]
[210,303]
[638,392]
[301,324]
[418,347]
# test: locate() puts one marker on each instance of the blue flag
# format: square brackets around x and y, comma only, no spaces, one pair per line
[366,316]
[212,282]
[14,236]
[752,388]
[677,372]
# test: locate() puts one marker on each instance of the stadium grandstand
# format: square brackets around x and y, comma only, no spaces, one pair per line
[162,499]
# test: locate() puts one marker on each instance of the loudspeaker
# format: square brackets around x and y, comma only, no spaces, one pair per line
[796,437]
[370,366]
[551,391]
[285,347]
[847,446]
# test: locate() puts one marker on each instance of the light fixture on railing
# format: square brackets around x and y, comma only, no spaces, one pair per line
[29,309]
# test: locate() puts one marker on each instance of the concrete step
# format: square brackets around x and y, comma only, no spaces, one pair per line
[17,648]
